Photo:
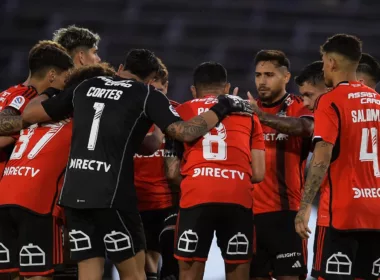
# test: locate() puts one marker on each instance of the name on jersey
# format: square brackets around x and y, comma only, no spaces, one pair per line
[158,153]
[275,137]
[369,115]
[88,164]
[366,192]
[218,173]
[365,97]
[113,94]
[21,171]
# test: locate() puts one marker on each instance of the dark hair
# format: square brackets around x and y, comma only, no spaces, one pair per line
[162,73]
[209,74]
[275,56]
[73,37]
[86,72]
[370,66]
[312,73]
[141,62]
[347,45]
[47,54]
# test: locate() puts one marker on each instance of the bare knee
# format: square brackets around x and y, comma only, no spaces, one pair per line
[91,269]
[191,270]
[237,271]
[132,268]
[152,259]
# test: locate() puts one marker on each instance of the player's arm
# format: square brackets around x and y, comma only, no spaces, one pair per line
[159,110]
[326,133]
[303,126]
[257,151]
[172,162]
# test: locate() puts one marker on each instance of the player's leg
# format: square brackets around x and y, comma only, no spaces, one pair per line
[261,266]
[9,267]
[234,233]
[367,261]
[40,244]
[69,270]
[321,244]
[193,238]
[124,241]
[151,222]
[289,252]
[170,268]
[86,242]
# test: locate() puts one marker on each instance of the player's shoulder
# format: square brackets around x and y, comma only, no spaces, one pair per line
[294,101]
[22,90]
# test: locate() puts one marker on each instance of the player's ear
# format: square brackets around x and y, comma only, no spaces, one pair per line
[227,88]
[51,75]
[193,91]
[81,57]
[287,75]
[121,69]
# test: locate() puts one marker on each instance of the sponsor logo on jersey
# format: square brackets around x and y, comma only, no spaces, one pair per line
[88,164]
[366,192]
[288,255]
[275,137]
[218,173]
[21,171]
[17,102]
[159,153]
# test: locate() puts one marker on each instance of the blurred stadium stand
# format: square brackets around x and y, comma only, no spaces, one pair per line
[184,33]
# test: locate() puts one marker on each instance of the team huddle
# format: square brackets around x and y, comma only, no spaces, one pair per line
[99,164]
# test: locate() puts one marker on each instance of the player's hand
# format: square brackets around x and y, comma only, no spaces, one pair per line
[253,103]
[235,105]
[302,221]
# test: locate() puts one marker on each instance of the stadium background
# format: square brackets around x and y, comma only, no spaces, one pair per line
[185,33]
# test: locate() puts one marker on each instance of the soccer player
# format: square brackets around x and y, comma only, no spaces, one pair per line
[155,201]
[311,83]
[112,115]
[215,190]
[81,43]
[29,232]
[345,156]
[368,71]
[287,126]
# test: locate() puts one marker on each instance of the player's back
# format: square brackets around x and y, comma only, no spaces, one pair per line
[217,167]
[110,123]
[32,176]
[354,174]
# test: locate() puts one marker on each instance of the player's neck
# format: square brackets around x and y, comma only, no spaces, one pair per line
[208,93]
[128,75]
[343,77]
[275,100]
[39,85]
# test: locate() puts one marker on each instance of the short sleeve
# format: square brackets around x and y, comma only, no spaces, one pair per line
[257,138]
[18,101]
[60,106]
[159,110]
[326,121]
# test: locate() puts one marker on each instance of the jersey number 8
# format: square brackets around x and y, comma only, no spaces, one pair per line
[209,140]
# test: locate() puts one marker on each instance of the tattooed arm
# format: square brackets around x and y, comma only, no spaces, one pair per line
[10,121]
[291,126]
[173,172]
[319,165]
[194,128]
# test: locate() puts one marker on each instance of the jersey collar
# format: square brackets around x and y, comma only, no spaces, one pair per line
[275,104]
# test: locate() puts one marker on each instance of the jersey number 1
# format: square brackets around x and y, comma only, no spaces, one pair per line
[364,154]
[99,107]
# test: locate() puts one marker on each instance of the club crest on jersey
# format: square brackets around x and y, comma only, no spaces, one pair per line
[173,111]
[17,102]
[289,101]
[281,113]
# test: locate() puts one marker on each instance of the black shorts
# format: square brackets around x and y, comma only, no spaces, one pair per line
[195,232]
[30,244]
[346,255]
[97,232]
[278,249]
[155,223]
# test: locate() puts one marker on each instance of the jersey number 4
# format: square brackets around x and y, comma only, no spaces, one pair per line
[214,146]
[364,154]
